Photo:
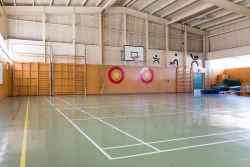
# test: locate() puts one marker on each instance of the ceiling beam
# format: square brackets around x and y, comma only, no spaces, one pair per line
[68,3]
[169,2]
[209,12]
[178,8]
[162,21]
[126,2]
[211,19]
[1,11]
[189,29]
[190,13]
[228,23]
[51,2]
[238,1]
[99,3]
[204,14]
[50,10]
[150,2]
[131,3]
[220,21]
[108,4]
[84,2]
[230,6]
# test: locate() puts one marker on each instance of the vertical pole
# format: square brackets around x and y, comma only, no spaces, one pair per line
[13,71]
[85,72]
[74,47]
[167,44]
[185,58]
[204,50]
[51,70]
[147,42]
[74,33]
[37,92]
[44,35]
[5,26]
[204,44]
[125,30]
[185,46]
[101,49]
[207,44]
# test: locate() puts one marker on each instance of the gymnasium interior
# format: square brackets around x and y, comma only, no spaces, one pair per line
[124,83]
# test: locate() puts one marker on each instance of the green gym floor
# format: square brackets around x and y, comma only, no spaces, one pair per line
[153,130]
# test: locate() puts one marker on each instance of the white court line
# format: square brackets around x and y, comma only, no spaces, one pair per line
[139,115]
[148,115]
[49,101]
[135,102]
[63,101]
[122,104]
[122,146]
[169,150]
[180,148]
[126,105]
[84,134]
[108,124]
[135,138]
[177,139]
[170,106]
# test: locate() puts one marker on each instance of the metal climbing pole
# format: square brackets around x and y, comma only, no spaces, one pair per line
[51,69]
[85,73]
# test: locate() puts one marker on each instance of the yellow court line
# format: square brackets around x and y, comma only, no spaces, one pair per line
[25,133]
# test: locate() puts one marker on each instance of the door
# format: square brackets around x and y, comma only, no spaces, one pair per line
[170,74]
[198,81]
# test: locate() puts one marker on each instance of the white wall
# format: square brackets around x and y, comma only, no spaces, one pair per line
[27,50]
[4,50]
[180,58]
[70,38]
[230,41]
[230,36]
[240,51]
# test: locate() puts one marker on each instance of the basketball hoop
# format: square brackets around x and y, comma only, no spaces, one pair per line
[132,53]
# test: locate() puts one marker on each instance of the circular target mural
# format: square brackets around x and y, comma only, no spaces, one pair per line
[147,75]
[116,75]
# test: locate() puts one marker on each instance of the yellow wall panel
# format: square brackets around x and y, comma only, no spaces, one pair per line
[70,79]
[242,74]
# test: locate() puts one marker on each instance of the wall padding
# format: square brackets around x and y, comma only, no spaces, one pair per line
[164,81]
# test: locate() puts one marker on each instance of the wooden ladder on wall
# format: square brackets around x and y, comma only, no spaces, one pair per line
[184,77]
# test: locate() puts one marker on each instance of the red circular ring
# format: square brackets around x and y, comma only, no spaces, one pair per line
[146,69]
[111,78]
